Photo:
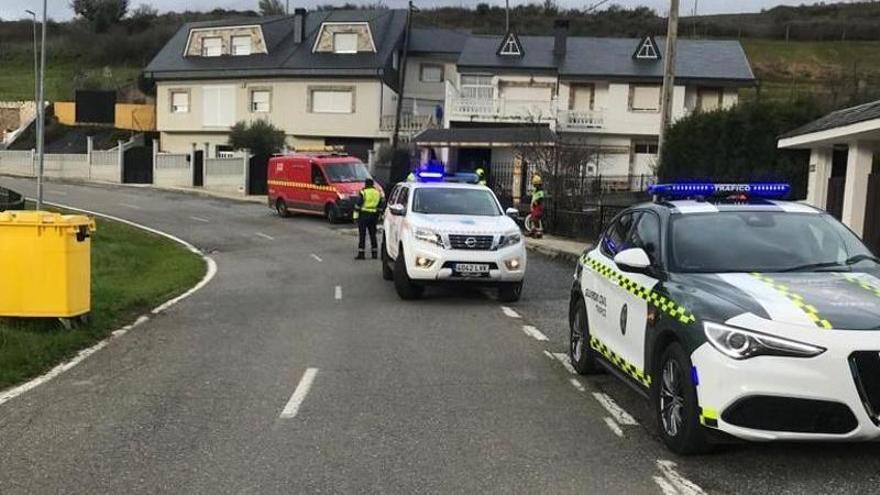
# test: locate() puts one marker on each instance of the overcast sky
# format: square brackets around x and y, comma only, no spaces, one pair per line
[60,9]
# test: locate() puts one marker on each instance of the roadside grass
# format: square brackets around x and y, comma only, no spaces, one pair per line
[132,272]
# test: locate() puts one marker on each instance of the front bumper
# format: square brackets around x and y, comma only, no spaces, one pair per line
[785,398]
[443,261]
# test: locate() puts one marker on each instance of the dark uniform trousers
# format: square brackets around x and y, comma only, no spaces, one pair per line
[367,223]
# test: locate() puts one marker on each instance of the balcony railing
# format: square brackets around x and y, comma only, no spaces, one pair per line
[409,123]
[582,119]
[460,107]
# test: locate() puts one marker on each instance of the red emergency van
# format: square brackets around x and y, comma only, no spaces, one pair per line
[316,183]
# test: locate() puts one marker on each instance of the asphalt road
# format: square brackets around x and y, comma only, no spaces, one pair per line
[445,394]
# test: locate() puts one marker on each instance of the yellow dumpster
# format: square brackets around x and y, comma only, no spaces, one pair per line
[45,264]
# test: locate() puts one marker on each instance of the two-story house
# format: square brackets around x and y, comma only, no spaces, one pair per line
[325,78]
[599,93]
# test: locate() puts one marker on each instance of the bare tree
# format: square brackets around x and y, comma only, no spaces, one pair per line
[271,7]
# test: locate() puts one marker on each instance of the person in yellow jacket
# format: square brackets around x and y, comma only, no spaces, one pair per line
[366,212]
[481,176]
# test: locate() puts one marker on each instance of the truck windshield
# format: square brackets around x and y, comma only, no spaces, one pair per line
[346,172]
[455,201]
[763,241]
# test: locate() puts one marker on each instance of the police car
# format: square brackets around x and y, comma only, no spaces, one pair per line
[736,313]
[448,229]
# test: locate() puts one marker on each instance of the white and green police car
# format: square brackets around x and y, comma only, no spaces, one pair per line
[735,313]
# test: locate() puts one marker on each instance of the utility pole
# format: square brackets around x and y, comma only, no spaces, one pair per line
[668,75]
[395,138]
[506,16]
[36,61]
[41,113]
[287,8]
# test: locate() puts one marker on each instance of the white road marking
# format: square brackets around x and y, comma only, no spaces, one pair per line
[510,312]
[210,272]
[264,236]
[299,394]
[316,257]
[613,426]
[549,354]
[534,333]
[682,485]
[665,486]
[614,410]
[576,384]
[133,207]
[200,219]
[566,362]
[338,292]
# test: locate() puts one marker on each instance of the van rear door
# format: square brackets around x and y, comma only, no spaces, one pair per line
[300,176]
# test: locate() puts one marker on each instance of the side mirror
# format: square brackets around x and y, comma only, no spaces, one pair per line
[633,260]
[397,210]
[512,213]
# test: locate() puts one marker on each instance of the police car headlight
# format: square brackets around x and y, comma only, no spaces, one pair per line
[737,343]
[428,236]
[509,240]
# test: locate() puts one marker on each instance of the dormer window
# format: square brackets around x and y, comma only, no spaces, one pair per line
[647,49]
[344,38]
[511,46]
[241,45]
[345,42]
[212,46]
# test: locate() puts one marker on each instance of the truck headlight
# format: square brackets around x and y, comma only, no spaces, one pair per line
[737,343]
[509,240]
[428,236]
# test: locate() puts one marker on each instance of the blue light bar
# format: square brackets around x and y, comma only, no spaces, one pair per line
[765,190]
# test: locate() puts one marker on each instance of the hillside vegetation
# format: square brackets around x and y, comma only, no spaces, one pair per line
[829,51]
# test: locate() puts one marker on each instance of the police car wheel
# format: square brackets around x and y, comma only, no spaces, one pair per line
[581,355]
[281,208]
[404,286]
[510,292]
[675,401]
[387,273]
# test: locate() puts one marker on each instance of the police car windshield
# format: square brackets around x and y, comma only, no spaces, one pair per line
[763,241]
[455,201]
[346,172]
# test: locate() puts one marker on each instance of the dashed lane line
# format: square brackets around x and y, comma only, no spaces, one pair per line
[299,394]
[617,412]
[264,236]
[665,486]
[613,426]
[337,293]
[200,219]
[576,384]
[534,333]
[566,363]
[316,258]
[510,312]
[130,206]
[682,485]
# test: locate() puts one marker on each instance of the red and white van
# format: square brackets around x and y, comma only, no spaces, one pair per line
[322,183]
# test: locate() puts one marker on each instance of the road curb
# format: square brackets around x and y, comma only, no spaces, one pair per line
[553,253]
[210,272]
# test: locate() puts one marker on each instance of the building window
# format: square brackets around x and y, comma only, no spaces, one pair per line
[332,100]
[260,100]
[477,87]
[709,99]
[212,47]
[345,42]
[225,151]
[219,106]
[644,98]
[179,101]
[645,148]
[431,73]
[241,45]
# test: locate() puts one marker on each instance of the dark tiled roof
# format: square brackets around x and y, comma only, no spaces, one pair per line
[612,57]
[839,118]
[494,135]
[437,40]
[285,57]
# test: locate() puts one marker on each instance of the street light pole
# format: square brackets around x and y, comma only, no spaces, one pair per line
[668,76]
[41,113]
[36,61]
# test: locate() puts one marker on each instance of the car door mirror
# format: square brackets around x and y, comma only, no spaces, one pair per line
[633,260]
[512,213]
[397,210]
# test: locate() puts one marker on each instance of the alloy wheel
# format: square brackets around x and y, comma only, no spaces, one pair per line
[671,398]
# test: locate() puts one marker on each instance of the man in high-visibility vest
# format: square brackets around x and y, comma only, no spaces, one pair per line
[481,175]
[366,212]
[537,207]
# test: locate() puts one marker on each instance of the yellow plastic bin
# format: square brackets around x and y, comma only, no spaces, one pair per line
[45,264]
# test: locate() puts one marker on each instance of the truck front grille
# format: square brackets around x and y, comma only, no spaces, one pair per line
[471,242]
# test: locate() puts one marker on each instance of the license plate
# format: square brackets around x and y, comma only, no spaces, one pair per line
[471,268]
